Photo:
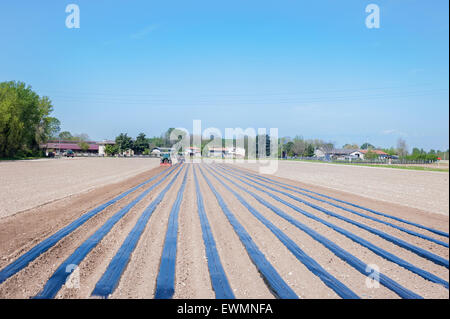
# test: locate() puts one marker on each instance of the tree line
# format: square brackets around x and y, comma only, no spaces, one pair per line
[401,150]
[140,145]
[26,122]
[287,147]
[300,147]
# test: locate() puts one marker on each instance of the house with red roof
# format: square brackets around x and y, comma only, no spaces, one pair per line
[62,146]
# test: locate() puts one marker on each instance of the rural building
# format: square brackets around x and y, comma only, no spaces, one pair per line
[62,146]
[357,154]
[102,145]
[381,154]
[335,154]
[227,152]
[347,154]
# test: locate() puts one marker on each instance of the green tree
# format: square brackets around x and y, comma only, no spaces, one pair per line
[140,144]
[124,142]
[370,155]
[309,152]
[111,149]
[287,148]
[47,126]
[65,135]
[367,146]
[156,142]
[84,146]
[25,120]
[390,151]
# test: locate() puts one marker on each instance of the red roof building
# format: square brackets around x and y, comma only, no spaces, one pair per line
[69,145]
[378,152]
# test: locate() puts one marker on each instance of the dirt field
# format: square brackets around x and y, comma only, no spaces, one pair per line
[27,184]
[256,238]
[428,191]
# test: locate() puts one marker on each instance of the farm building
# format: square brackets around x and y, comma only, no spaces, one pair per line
[102,145]
[63,146]
[381,154]
[347,154]
[228,152]
[335,154]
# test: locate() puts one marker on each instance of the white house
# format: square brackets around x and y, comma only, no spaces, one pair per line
[228,152]
[357,154]
[102,145]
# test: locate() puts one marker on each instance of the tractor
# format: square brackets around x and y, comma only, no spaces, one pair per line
[166,160]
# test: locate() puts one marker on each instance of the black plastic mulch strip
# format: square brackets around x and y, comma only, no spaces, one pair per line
[344,255]
[46,244]
[408,231]
[329,280]
[165,282]
[397,241]
[217,274]
[110,278]
[273,280]
[59,277]
[435,231]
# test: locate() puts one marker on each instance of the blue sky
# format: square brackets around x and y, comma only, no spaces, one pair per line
[310,68]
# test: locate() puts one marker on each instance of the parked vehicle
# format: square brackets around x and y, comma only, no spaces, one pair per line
[70,153]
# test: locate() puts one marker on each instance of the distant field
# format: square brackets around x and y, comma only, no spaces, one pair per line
[438,167]
[28,183]
[418,188]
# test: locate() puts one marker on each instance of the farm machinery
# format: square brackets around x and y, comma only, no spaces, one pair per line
[166,160]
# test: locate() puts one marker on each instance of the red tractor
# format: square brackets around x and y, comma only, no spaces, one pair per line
[166,160]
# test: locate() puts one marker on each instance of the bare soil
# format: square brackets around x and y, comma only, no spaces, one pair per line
[27,184]
[21,231]
[425,190]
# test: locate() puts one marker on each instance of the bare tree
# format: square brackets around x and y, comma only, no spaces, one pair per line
[82,137]
[402,148]
[299,145]
[328,147]
[353,146]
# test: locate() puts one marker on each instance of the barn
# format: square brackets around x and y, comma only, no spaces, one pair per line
[59,147]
